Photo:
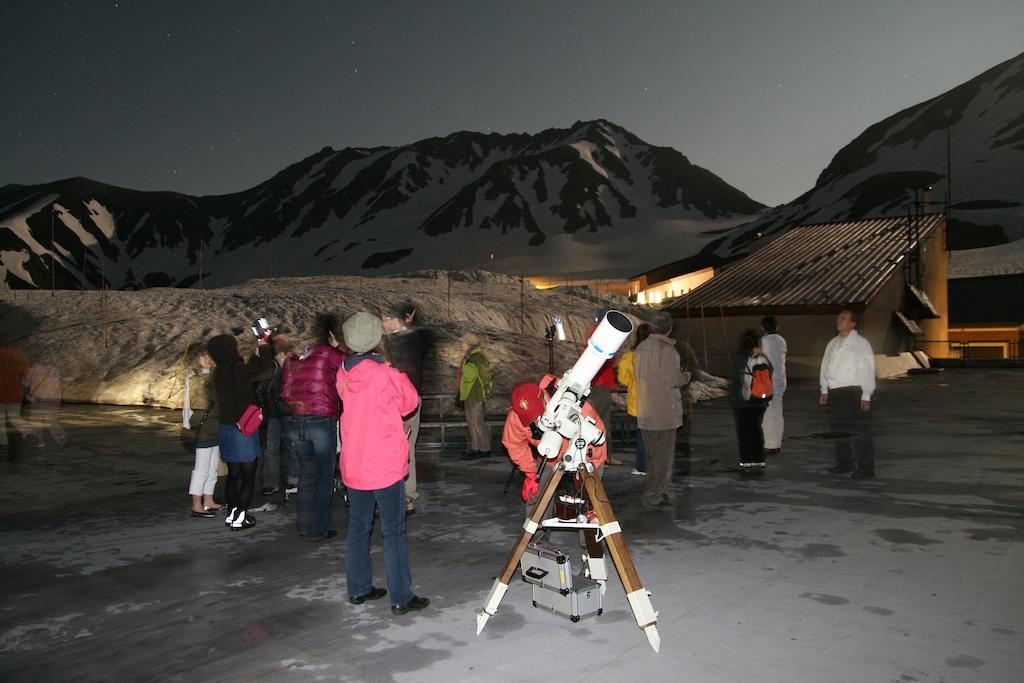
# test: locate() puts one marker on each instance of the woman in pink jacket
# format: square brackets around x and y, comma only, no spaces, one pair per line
[374,463]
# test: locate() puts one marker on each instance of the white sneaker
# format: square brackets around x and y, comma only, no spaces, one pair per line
[638,473]
[266,507]
[292,490]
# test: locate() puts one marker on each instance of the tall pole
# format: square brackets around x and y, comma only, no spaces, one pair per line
[103,305]
[522,309]
[53,211]
[949,183]
[704,335]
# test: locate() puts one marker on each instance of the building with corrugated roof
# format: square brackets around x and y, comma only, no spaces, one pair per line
[674,279]
[892,271]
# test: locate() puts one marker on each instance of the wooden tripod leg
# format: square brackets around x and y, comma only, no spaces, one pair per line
[639,599]
[530,527]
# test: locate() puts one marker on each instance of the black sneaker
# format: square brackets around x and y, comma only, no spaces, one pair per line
[472,455]
[414,604]
[374,594]
[270,490]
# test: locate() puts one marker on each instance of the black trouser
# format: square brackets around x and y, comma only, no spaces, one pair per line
[748,431]
[240,484]
[854,449]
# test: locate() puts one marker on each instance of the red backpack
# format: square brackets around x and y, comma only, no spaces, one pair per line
[757,379]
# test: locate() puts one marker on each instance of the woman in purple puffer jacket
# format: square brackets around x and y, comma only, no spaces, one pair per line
[311,427]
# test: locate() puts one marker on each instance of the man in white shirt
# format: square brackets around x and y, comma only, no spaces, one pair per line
[773,345]
[847,382]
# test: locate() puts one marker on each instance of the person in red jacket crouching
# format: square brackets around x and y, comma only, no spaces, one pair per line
[521,434]
[374,463]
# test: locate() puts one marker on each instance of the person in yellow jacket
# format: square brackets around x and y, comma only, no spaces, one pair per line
[627,377]
[474,387]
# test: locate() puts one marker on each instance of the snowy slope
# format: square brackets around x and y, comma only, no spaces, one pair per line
[136,360]
[1003,259]
[593,197]
[877,173]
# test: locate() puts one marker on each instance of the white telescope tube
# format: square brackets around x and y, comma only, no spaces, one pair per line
[574,386]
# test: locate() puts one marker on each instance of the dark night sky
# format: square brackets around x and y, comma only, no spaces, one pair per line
[212,97]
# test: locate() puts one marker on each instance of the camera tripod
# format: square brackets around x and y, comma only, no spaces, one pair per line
[606,524]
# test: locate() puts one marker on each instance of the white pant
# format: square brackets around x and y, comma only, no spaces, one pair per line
[773,423]
[10,417]
[204,476]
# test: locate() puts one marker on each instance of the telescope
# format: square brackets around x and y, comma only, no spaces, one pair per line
[563,418]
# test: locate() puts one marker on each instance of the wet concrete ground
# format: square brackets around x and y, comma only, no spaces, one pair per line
[912,576]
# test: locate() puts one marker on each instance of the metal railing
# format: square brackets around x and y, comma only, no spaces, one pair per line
[975,350]
[437,415]
[433,417]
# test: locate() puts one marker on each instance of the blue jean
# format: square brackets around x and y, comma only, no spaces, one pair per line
[358,569]
[272,457]
[314,439]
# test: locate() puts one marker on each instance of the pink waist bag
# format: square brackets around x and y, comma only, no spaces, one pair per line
[251,420]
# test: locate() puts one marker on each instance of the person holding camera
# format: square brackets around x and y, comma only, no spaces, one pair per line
[268,395]
[375,463]
[233,381]
[311,425]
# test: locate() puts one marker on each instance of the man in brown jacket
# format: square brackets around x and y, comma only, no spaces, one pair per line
[659,405]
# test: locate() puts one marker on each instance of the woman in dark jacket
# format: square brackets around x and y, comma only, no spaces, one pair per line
[746,413]
[233,382]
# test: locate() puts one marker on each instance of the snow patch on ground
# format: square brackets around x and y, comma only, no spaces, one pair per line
[38,634]
[127,607]
[328,589]
[1001,259]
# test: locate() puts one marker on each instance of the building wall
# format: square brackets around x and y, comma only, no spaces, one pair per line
[642,292]
[718,337]
[807,333]
[597,285]
[935,278]
[980,340]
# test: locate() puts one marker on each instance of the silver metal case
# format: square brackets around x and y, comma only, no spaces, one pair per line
[547,568]
[582,600]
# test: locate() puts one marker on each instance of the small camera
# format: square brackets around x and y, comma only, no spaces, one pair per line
[261,328]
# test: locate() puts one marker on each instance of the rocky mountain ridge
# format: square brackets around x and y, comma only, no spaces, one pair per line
[593,197]
[966,145]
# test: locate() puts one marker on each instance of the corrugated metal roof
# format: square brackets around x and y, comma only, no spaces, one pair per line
[826,264]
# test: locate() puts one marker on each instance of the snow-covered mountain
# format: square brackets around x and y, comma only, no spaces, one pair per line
[590,199]
[878,172]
